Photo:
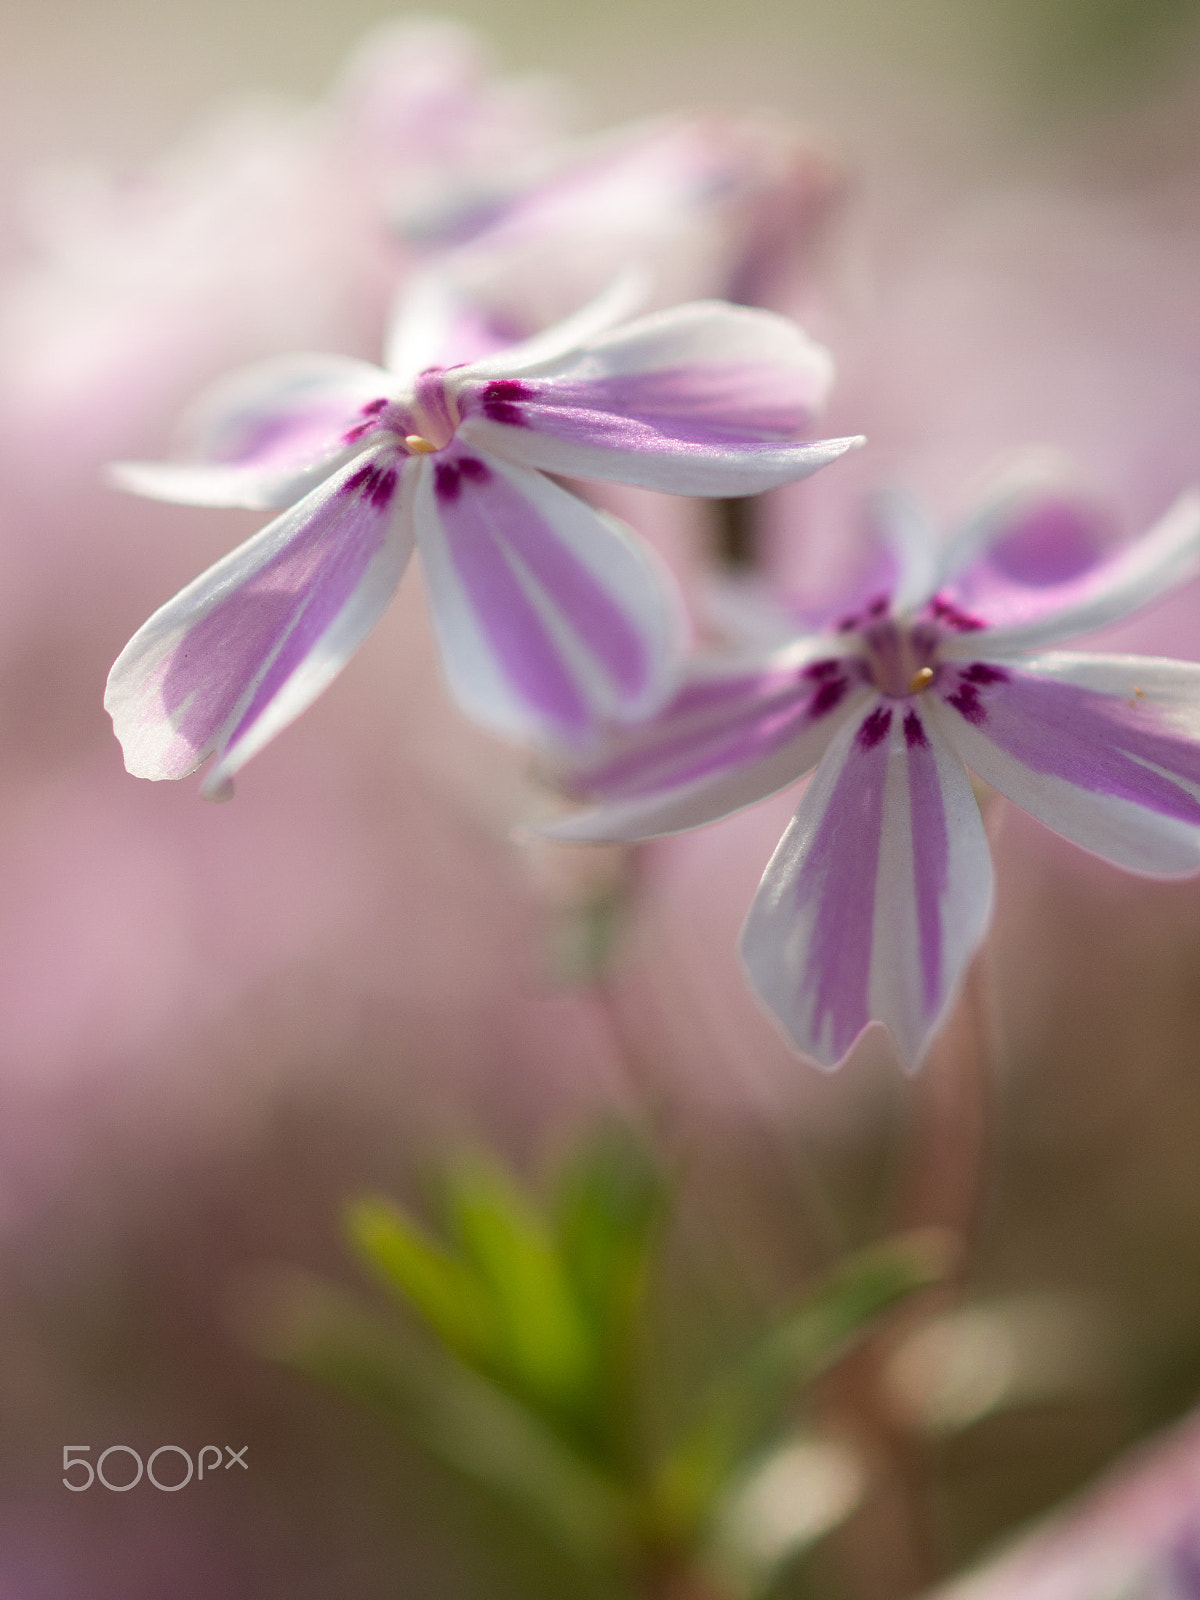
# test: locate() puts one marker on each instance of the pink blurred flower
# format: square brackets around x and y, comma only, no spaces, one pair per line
[706,204]
[263,231]
[1136,1537]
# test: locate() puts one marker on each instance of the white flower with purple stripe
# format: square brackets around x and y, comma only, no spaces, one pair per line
[549,615]
[880,889]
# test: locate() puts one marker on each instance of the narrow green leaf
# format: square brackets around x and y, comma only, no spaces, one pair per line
[543,1350]
[607,1203]
[466,1421]
[608,1199]
[426,1277]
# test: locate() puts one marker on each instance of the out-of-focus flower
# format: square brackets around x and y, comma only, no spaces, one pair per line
[706,204]
[264,230]
[1137,1537]
[549,617]
[881,888]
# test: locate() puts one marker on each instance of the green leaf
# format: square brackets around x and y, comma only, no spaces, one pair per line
[424,1275]
[608,1200]
[607,1203]
[466,1421]
[543,1349]
[748,1403]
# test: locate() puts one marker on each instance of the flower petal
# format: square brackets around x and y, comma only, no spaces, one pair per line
[1021,618]
[266,435]
[703,399]
[561,342]
[549,615]
[1036,527]
[1103,749]
[902,543]
[240,652]
[878,894]
[730,737]
[431,326]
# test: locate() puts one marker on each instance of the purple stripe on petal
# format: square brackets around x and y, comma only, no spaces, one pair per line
[269,623]
[285,414]
[954,616]
[828,697]
[374,483]
[711,728]
[838,881]
[983,672]
[1100,742]
[502,548]
[515,630]
[500,401]
[689,406]
[965,700]
[931,857]
[874,729]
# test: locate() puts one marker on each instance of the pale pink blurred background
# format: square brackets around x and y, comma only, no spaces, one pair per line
[218,1020]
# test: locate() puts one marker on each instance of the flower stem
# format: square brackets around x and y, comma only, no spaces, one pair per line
[892,1547]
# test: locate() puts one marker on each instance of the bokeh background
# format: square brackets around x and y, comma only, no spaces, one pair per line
[216,1022]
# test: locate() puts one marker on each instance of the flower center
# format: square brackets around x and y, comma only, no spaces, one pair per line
[431,419]
[900,660]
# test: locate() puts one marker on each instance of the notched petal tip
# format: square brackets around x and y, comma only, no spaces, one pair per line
[218,789]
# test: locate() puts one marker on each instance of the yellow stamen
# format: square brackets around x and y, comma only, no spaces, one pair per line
[921,680]
[418,446]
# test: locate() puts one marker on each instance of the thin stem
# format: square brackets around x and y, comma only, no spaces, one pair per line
[891,1547]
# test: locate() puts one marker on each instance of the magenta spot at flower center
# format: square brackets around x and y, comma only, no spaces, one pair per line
[373,483]
[984,672]
[501,401]
[448,476]
[874,729]
[370,420]
[953,616]
[965,696]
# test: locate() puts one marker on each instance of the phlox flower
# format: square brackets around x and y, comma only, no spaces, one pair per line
[548,614]
[881,887]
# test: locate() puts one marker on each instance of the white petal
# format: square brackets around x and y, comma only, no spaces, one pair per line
[264,436]
[1162,559]
[432,326]
[878,894]
[614,305]
[550,615]
[1038,500]
[1103,749]
[244,649]
[911,548]
[730,737]
[704,399]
